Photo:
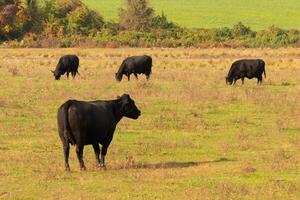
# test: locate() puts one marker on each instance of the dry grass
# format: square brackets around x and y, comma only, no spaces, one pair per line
[197,138]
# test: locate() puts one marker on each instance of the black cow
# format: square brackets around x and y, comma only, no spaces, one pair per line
[92,123]
[67,63]
[252,68]
[135,65]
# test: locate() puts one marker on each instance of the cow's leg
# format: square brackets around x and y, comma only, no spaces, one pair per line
[234,81]
[103,154]
[259,80]
[97,153]
[73,74]
[68,74]
[147,76]
[243,80]
[128,76]
[136,76]
[66,154]
[79,152]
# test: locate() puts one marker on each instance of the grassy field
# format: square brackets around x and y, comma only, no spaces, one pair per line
[258,14]
[196,139]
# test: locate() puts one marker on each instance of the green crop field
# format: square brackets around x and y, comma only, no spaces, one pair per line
[197,138]
[258,14]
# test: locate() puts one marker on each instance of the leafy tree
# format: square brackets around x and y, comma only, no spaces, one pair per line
[18,17]
[64,7]
[33,21]
[136,16]
[7,20]
[6,2]
[55,16]
[84,21]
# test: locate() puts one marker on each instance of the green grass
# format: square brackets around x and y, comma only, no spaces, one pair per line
[196,138]
[258,14]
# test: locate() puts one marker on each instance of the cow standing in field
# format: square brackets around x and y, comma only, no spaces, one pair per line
[83,123]
[135,65]
[251,68]
[67,63]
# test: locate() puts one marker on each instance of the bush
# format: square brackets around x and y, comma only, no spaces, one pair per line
[69,23]
[63,7]
[221,34]
[240,30]
[136,16]
[161,22]
[84,21]
[273,37]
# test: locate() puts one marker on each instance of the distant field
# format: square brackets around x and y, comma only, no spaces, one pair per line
[197,138]
[257,14]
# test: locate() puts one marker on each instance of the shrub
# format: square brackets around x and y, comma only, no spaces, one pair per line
[240,29]
[63,7]
[136,16]
[221,34]
[84,21]
[273,37]
[69,23]
[161,22]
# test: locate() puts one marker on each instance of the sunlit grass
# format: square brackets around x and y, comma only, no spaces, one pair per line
[197,137]
[258,14]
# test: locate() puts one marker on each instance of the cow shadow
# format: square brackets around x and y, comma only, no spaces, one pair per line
[169,165]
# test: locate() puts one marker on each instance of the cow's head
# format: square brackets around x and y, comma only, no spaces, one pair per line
[118,76]
[128,107]
[229,80]
[56,75]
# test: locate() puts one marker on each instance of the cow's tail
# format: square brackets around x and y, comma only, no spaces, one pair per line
[264,70]
[150,65]
[77,62]
[66,126]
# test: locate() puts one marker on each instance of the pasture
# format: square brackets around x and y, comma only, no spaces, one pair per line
[197,138]
[258,14]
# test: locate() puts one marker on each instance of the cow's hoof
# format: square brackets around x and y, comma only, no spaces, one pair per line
[67,169]
[102,167]
[83,168]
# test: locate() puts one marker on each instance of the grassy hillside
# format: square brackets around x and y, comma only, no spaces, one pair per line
[196,138]
[257,14]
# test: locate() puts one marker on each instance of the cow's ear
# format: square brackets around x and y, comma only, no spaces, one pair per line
[126,95]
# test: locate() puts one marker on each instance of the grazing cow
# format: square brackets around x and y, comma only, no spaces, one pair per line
[67,63]
[246,68]
[92,123]
[135,65]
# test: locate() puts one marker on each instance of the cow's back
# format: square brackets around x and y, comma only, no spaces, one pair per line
[70,62]
[248,67]
[254,67]
[142,64]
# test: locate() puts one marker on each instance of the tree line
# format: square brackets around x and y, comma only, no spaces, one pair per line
[70,23]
